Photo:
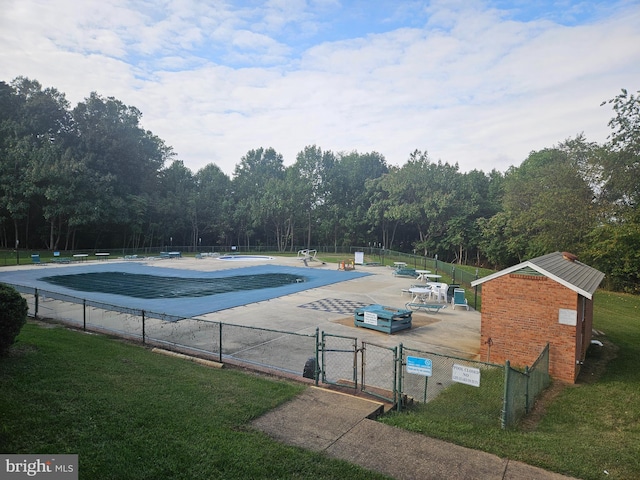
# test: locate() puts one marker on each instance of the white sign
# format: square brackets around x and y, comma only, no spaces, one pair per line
[370,318]
[420,366]
[359,260]
[567,317]
[466,375]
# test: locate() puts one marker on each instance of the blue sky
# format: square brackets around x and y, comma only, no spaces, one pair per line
[480,83]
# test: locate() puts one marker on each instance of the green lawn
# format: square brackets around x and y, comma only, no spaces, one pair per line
[588,429]
[132,414]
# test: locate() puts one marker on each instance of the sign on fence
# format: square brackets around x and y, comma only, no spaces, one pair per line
[419,366]
[466,375]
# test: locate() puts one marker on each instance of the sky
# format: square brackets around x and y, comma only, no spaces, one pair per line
[478,83]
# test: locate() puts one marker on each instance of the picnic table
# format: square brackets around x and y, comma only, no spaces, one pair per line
[420,294]
[382,318]
[422,274]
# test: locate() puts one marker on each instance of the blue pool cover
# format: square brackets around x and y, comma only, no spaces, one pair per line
[170,298]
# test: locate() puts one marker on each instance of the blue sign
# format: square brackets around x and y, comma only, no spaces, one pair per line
[418,365]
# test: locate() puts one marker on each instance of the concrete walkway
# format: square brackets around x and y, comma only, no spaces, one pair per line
[341,426]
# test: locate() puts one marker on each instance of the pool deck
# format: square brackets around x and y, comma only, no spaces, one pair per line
[448,332]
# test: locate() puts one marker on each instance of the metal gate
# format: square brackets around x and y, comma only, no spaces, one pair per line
[339,360]
[371,368]
[380,371]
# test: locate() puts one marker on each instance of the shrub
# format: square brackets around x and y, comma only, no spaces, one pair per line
[13,315]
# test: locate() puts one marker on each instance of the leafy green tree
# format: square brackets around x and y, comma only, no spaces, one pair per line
[348,199]
[614,245]
[122,164]
[251,175]
[622,167]
[213,204]
[8,122]
[615,250]
[425,196]
[474,201]
[58,176]
[15,188]
[404,188]
[494,242]
[177,205]
[382,228]
[313,169]
[278,209]
[548,205]
[34,127]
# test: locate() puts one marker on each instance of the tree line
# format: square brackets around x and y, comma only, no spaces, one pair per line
[92,177]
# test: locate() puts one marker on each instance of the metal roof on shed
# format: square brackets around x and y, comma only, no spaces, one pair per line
[573,274]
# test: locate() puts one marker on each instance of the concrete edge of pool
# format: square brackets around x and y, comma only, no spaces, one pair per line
[244,258]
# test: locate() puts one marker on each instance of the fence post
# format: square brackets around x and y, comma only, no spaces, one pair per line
[316,373]
[84,314]
[398,376]
[35,313]
[220,342]
[505,400]
[526,390]
[143,328]
[475,297]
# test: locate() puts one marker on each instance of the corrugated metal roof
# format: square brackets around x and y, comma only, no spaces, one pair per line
[573,274]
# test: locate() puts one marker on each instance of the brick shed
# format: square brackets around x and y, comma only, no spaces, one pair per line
[547,299]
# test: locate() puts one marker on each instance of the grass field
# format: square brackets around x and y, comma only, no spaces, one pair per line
[132,414]
[590,430]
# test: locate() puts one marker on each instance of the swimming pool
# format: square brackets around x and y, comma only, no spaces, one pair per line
[244,258]
[209,291]
[143,285]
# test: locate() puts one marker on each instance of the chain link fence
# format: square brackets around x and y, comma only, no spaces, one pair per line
[462,388]
[467,390]
[523,387]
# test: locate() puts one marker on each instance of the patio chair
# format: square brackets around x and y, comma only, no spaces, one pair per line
[439,291]
[450,290]
[459,299]
[442,293]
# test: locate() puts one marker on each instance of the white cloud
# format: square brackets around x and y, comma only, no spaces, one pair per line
[214,80]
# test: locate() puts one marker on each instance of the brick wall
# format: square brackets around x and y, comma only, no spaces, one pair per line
[520,316]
